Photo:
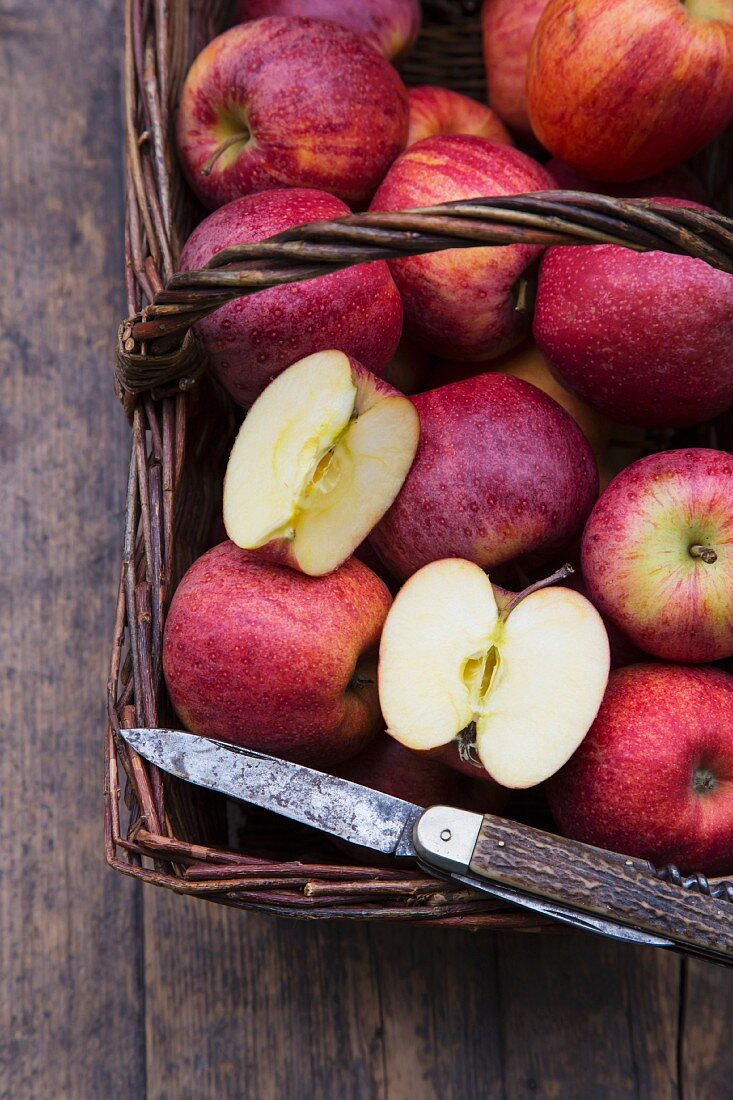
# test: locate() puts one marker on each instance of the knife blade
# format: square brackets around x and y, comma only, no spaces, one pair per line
[618,896]
[335,806]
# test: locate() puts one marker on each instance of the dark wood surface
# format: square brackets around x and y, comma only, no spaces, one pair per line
[107,990]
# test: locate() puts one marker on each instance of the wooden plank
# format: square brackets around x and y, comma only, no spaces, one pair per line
[706,1051]
[441,1012]
[244,1004]
[587,1019]
[70,1009]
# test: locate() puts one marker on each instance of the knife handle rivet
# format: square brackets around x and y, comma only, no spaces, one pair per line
[446,834]
[500,843]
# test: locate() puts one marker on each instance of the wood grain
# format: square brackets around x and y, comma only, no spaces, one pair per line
[70,952]
[585,1017]
[608,884]
[706,1051]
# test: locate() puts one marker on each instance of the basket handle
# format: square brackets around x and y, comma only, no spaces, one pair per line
[156,349]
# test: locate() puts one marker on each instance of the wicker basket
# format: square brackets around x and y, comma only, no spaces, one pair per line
[164,831]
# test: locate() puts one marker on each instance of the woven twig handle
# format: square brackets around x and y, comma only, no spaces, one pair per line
[157,352]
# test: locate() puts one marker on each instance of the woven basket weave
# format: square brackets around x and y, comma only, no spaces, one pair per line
[157,828]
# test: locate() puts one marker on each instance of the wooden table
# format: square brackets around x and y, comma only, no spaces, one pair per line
[107,990]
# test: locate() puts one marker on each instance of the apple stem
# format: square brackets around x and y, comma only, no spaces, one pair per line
[234,139]
[560,574]
[467,746]
[704,553]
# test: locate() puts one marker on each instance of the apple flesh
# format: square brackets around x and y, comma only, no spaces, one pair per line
[463,303]
[507,28]
[289,102]
[528,681]
[679,182]
[646,339]
[317,462]
[435,111]
[621,89]
[265,657]
[250,340]
[654,776]
[501,471]
[390,26]
[658,554]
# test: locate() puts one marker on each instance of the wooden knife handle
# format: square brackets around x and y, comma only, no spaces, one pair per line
[614,890]
[616,887]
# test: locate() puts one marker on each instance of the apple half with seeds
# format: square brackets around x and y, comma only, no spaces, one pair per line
[320,457]
[520,685]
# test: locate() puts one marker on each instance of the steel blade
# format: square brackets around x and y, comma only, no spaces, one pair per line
[336,806]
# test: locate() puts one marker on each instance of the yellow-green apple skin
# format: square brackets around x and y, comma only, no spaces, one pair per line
[268,658]
[462,303]
[501,471]
[435,110]
[657,554]
[391,26]
[249,341]
[289,102]
[621,89]
[654,776]
[507,28]
[647,339]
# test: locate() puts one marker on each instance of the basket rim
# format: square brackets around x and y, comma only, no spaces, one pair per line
[159,41]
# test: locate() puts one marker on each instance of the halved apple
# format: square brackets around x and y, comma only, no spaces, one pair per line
[319,459]
[521,685]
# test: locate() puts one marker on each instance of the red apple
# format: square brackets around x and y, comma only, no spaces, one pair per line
[658,554]
[480,796]
[408,368]
[265,657]
[462,303]
[435,111]
[501,471]
[679,182]
[654,776]
[387,766]
[646,338]
[287,102]
[621,89]
[507,27]
[391,26]
[528,363]
[250,340]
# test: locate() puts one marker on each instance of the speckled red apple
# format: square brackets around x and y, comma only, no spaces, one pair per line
[462,304]
[645,338]
[658,554]
[435,111]
[387,766]
[528,363]
[391,26]
[654,776]
[679,182]
[507,27]
[621,89]
[250,340]
[265,657]
[289,102]
[501,471]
